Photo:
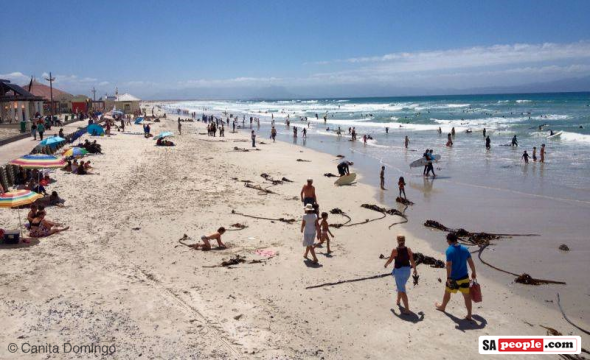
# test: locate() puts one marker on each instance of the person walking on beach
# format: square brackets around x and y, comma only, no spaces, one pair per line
[382,177]
[525,156]
[402,187]
[458,257]
[403,259]
[325,232]
[310,229]
[179,127]
[307,194]
[542,153]
[273,134]
[41,128]
[253,136]
[430,167]
[534,153]
[34,130]
[406,141]
[488,142]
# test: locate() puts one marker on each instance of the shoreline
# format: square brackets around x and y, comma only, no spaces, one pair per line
[121,276]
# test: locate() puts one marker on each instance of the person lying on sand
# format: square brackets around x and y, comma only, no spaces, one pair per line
[42,228]
[206,245]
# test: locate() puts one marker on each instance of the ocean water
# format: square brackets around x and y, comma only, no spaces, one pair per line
[565,175]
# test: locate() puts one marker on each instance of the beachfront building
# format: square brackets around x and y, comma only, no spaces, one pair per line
[127,103]
[80,104]
[61,99]
[17,104]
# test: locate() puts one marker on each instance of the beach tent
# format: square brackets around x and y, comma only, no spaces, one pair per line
[52,140]
[95,130]
[139,120]
[163,135]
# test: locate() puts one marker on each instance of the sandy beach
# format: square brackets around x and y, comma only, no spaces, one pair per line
[120,277]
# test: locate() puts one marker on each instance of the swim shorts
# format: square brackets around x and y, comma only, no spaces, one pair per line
[461,285]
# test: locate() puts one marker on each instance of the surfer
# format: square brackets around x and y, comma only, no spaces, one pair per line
[488,142]
[343,167]
[426,157]
[430,167]
[525,156]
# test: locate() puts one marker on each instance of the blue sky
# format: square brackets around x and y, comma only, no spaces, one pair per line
[186,49]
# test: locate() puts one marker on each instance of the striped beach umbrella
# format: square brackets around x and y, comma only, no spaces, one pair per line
[75,152]
[18,198]
[39,162]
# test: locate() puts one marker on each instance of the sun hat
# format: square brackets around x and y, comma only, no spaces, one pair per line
[308,207]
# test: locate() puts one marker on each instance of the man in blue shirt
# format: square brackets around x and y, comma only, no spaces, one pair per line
[458,256]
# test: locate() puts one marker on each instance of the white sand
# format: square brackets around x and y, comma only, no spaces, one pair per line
[104,282]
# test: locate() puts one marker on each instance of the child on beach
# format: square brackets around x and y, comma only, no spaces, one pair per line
[253,136]
[402,184]
[324,232]
[525,156]
[310,229]
[382,177]
[206,245]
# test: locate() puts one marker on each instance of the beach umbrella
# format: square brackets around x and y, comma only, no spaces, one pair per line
[163,135]
[75,152]
[18,198]
[139,120]
[39,162]
[118,112]
[52,140]
[95,130]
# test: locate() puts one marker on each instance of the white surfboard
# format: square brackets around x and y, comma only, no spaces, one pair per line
[555,135]
[346,179]
[423,162]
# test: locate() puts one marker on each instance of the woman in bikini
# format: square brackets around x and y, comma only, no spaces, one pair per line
[43,228]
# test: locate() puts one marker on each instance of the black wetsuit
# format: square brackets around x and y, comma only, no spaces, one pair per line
[343,168]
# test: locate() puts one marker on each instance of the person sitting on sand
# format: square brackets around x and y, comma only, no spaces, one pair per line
[404,262]
[310,229]
[324,232]
[458,256]
[42,228]
[51,200]
[74,167]
[206,245]
[32,213]
[81,169]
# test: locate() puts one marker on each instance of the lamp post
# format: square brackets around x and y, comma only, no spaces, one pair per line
[51,80]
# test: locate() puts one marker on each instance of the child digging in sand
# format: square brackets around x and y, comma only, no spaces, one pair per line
[206,245]
[309,228]
[324,232]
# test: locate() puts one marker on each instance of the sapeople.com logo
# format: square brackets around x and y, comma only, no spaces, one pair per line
[530,345]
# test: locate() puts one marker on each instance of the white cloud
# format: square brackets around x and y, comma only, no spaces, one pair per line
[16,77]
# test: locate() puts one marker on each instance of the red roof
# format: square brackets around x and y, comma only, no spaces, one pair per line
[44,91]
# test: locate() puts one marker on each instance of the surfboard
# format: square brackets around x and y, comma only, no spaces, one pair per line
[423,162]
[556,135]
[345,180]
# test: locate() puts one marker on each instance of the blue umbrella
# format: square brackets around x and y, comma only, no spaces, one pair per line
[139,120]
[163,135]
[52,140]
[95,130]
[118,112]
